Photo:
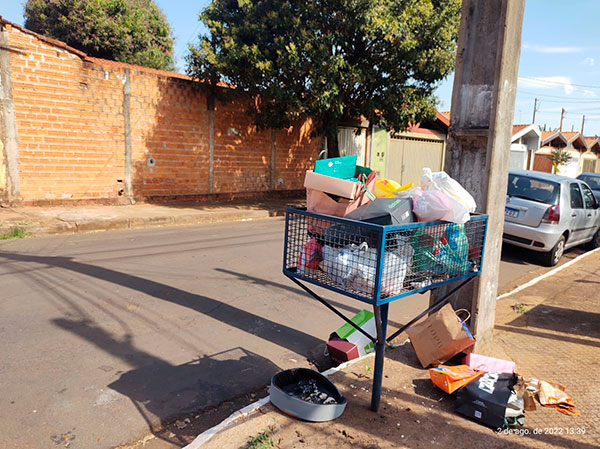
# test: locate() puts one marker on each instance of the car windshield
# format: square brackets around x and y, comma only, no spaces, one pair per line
[592,181]
[533,189]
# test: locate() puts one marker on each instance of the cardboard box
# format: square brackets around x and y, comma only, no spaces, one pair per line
[366,321]
[489,364]
[329,184]
[341,351]
[339,167]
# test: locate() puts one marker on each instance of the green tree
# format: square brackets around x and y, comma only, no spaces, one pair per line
[330,59]
[559,156]
[132,31]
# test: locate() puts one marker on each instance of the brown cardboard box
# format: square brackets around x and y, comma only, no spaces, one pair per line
[329,184]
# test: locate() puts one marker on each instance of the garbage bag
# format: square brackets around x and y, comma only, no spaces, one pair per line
[446,255]
[387,188]
[434,205]
[444,183]
[355,267]
[310,255]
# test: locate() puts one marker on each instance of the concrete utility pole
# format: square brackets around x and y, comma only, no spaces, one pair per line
[534,110]
[483,102]
[582,123]
[562,115]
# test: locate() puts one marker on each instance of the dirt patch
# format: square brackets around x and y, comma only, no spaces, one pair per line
[413,414]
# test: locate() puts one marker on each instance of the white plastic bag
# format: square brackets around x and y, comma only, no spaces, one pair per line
[354,266]
[433,205]
[444,183]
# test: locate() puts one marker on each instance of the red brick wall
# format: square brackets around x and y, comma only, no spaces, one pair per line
[169,125]
[71,132]
[69,123]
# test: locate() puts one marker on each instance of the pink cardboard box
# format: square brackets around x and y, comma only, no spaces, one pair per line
[329,184]
[489,364]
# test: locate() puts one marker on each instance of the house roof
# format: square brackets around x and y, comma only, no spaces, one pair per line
[446,114]
[593,142]
[529,130]
[570,135]
[442,117]
[517,128]
[574,137]
[549,136]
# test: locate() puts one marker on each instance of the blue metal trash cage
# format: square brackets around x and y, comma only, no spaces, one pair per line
[379,264]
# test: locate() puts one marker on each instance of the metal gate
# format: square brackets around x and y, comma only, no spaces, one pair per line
[352,141]
[407,156]
[589,164]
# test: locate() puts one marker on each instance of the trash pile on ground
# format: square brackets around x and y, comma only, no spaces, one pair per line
[308,390]
[488,390]
[370,263]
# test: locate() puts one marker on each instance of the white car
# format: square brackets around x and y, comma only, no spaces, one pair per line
[549,213]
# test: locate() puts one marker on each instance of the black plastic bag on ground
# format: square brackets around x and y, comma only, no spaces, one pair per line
[485,399]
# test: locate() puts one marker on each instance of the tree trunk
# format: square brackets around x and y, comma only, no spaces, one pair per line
[333,149]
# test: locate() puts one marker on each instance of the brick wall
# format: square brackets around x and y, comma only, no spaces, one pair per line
[70,113]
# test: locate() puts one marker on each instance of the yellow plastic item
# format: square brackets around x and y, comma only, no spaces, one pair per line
[385,188]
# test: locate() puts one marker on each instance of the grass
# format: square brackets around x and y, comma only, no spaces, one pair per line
[15,233]
[520,308]
[261,441]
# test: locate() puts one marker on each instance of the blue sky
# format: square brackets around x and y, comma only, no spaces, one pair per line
[560,58]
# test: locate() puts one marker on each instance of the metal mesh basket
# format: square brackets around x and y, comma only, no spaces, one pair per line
[375,263]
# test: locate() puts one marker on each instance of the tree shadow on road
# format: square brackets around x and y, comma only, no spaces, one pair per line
[160,390]
[287,337]
[163,391]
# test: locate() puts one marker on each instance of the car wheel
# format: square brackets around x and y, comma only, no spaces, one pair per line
[553,257]
[595,242]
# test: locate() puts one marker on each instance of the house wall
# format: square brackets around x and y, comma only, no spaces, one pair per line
[82,121]
[518,157]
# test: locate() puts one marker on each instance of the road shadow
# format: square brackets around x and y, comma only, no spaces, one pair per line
[163,391]
[523,256]
[559,319]
[265,282]
[287,337]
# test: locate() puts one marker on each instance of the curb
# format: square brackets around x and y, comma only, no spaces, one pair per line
[85,226]
[205,436]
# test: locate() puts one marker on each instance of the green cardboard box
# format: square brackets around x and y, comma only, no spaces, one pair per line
[339,167]
[366,321]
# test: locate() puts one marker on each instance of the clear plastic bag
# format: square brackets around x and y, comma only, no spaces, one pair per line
[444,183]
[355,267]
[433,205]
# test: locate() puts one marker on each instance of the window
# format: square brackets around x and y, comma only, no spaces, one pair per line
[533,189]
[588,197]
[576,199]
[592,181]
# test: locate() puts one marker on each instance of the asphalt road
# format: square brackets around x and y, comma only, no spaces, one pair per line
[104,335]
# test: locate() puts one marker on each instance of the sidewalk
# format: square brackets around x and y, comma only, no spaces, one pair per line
[73,219]
[551,330]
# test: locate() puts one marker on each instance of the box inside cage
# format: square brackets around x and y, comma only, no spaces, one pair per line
[378,263]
